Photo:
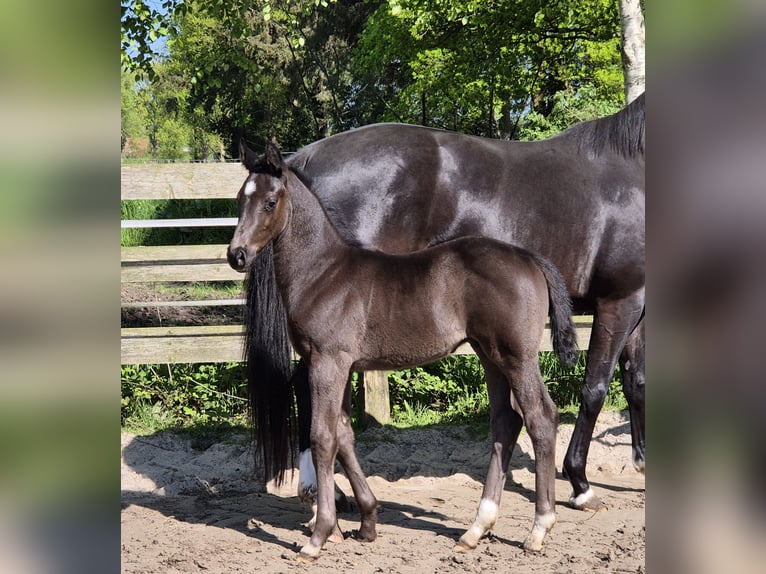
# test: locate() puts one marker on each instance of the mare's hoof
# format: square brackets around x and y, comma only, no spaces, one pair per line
[587,501]
[335,537]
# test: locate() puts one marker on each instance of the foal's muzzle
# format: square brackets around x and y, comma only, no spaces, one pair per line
[237,258]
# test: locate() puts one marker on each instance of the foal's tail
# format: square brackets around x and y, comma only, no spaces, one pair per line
[563,330]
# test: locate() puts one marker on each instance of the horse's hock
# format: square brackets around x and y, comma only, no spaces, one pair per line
[207,343]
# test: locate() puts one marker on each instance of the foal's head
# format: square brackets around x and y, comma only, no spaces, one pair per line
[263,205]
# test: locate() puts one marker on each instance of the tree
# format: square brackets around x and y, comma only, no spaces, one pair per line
[479,66]
[633,41]
[133,111]
[299,70]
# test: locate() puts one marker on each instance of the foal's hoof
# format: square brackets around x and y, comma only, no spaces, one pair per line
[463,546]
[308,554]
[337,536]
[532,544]
[587,501]
[305,559]
[540,529]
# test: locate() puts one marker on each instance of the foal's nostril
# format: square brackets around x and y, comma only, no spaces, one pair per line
[237,258]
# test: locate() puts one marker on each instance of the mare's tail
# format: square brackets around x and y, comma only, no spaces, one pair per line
[269,368]
[563,330]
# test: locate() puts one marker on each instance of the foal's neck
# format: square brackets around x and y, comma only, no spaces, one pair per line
[309,242]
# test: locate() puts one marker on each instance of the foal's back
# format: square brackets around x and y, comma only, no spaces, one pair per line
[412,309]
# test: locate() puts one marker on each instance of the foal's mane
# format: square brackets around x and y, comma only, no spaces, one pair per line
[621,132]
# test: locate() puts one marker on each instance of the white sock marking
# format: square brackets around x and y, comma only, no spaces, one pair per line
[307,472]
[580,500]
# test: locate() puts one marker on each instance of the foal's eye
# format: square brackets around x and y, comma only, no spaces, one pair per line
[270,205]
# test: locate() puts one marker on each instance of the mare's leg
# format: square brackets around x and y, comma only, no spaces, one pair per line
[632,367]
[541,418]
[506,424]
[613,322]
[365,499]
[307,483]
[327,382]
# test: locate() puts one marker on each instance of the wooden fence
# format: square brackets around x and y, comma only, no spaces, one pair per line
[192,263]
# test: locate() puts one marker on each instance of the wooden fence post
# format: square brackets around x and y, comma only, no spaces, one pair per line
[374,397]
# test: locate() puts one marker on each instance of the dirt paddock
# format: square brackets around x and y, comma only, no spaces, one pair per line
[189,506]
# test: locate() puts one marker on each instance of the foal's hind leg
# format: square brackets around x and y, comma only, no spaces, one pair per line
[541,418]
[506,425]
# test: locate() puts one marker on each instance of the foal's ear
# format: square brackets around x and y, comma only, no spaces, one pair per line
[273,159]
[247,156]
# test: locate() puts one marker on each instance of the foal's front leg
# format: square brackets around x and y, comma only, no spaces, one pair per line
[327,386]
[365,499]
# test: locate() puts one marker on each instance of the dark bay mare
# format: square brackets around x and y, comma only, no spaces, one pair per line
[352,309]
[576,198]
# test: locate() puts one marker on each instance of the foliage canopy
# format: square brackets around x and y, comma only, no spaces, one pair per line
[299,70]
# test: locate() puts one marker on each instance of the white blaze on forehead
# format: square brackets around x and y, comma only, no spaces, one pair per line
[249,187]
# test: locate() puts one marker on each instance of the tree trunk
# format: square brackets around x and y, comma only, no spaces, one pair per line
[633,41]
[491,110]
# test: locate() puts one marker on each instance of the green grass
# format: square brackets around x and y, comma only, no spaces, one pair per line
[201,290]
[176,209]
[183,397]
[194,398]
[453,391]
[138,209]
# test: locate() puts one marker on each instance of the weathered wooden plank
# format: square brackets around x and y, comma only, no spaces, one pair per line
[198,344]
[200,303]
[176,263]
[181,180]
[191,222]
[191,344]
[140,273]
[222,342]
[193,330]
[160,253]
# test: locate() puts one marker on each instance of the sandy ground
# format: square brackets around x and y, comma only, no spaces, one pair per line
[189,506]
